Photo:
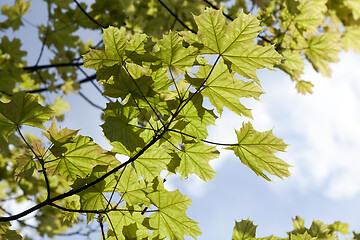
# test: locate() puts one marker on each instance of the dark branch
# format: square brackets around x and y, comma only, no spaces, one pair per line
[217,8]
[88,16]
[55,65]
[92,77]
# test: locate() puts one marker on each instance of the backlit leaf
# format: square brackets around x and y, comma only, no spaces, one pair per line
[23,109]
[256,150]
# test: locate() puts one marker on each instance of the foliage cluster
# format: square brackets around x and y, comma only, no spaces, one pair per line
[156,65]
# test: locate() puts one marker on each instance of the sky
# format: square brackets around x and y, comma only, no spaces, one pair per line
[324,136]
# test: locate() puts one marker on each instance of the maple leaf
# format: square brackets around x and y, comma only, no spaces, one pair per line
[14,14]
[351,37]
[23,109]
[244,230]
[118,220]
[81,155]
[8,234]
[133,190]
[170,220]
[194,159]
[120,125]
[234,42]
[225,90]
[323,49]
[174,54]
[194,118]
[25,168]
[152,162]
[256,150]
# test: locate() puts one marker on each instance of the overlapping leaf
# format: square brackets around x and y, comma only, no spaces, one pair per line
[256,150]
[225,90]
[120,125]
[173,53]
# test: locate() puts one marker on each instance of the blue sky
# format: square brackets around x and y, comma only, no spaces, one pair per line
[324,136]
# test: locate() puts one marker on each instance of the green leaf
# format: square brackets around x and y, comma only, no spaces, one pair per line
[235,42]
[25,168]
[256,150]
[81,155]
[170,220]
[174,54]
[120,125]
[194,159]
[354,5]
[119,220]
[133,190]
[244,230]
[224,90]
[304,236]
[114,40]
[59,138]
[14,14]
[304,87]
[299,225]
[23,109]
[7,234]
[152,162]
[351,37]
[118,83]
[342,228]
[322,50]
[311,14]
[194,118]
[318,229]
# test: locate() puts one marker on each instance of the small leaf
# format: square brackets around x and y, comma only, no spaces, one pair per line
[304,87]
[342,228]
[25,168]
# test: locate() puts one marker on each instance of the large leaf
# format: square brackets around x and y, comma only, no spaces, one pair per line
[23,109]
[234,42]
[256,150]
[170,220]
[81,155]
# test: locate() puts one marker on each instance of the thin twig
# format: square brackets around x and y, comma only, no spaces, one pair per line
[41,162]
[89,101]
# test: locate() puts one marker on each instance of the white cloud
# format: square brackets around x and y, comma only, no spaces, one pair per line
[322,128]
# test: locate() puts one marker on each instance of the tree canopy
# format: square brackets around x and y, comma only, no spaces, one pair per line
[159,64]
